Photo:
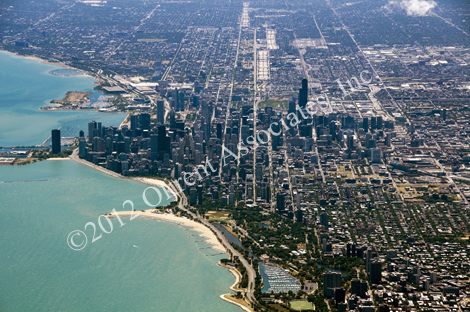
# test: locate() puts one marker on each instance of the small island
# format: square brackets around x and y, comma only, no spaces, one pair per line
[71,100]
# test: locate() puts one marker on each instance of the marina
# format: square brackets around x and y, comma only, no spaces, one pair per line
[277,280]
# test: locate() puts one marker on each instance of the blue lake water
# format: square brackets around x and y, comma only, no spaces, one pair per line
[25,86]
[144,265]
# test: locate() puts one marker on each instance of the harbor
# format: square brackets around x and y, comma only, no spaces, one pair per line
[277,280]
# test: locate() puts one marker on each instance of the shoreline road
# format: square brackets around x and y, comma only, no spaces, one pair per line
[74,156]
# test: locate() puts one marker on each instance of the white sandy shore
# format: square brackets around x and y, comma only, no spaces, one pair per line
[235,303]
[204,231]
[196,226]
[159,183]
[55,62]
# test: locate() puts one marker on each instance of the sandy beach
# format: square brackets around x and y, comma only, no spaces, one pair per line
[159,183]
[241,303]
[196,226]
[43,61]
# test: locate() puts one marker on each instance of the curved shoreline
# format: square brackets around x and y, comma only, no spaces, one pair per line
[235,303]
[148,181]
[48,62]
[195,226]
[199,227]
[202,229]
[235,273]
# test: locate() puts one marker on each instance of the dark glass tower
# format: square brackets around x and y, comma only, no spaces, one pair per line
[55,141]
[160,112]
[303,94]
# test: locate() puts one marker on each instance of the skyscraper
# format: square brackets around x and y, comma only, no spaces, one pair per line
[195,101]
[356,287]
[388,139]
[163,142]
[331,280]
[298,215]
[134,122]
[82,147]
[375,273]
[145,121]
[324,220]
[160,112]
[55,141]
[153,146]
[379,122]
[373,123]
[280,201]
[91,128]
[291,107]
[303,94]
[375,155]
[350,142]
[172,119]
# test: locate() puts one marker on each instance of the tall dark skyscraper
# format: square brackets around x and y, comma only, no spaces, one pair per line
[163,142]
[145,121]
[172,119]
[134,122]
[373,123]
[195,101]
[303,94]
[160,112]
[356,286]
[219,130]
[153,146]
[331,280]
[55,141]
[280,201]
[291,107]
[365,124]
[375,274]
[324,220]
[379,122]
[91,127]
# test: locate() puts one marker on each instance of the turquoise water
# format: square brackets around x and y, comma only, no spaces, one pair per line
[25,86]
[144,265]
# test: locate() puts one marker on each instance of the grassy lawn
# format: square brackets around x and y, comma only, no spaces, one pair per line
[344,173]
[413,192]
[273,104]
[279,307]
[301,305]
[219,215]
